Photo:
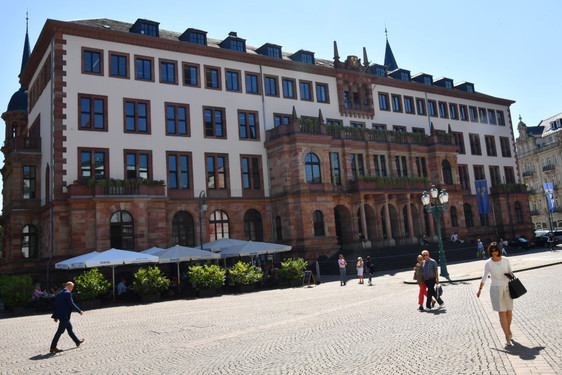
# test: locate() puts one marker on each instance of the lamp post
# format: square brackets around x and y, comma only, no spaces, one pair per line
[436,208]
[202,208]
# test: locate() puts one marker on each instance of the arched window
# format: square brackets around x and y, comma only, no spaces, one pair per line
[219,225]
[318,219]
[405,216]
[279,228]
[447,174]
[122,231]
[454,218]
[29,241]
[518,213]
[183,229]
[468,215]
[253,229]
[312,169]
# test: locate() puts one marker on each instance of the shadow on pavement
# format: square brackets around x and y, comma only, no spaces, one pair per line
[525,353]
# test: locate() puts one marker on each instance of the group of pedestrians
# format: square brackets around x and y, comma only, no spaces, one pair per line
[427,277]
[366,266]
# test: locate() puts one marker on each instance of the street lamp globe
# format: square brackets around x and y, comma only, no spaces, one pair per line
[425,198]
[443,197]
[434,192]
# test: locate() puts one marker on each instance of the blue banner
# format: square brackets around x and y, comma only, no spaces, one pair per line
[482,196]
[549,191]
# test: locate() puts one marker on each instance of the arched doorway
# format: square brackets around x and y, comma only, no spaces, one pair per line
[342,219]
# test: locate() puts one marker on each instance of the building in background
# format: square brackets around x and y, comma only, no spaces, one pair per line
[539,153]
[126,126]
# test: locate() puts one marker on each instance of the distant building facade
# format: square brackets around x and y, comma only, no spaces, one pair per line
[539,149]
[126,127]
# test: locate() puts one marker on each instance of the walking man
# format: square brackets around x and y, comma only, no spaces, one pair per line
[370,268]
[63,308]
[431,276]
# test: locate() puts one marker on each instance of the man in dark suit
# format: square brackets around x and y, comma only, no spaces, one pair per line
[63,307]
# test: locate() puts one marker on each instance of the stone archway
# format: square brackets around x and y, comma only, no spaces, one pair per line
[344,231]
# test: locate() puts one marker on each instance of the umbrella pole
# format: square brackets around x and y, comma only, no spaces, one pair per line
[179,280]
[113,276]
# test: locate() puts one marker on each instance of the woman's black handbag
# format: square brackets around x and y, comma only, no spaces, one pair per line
[516,288]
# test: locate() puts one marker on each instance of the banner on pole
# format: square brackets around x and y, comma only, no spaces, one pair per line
[482,196]
[549,191]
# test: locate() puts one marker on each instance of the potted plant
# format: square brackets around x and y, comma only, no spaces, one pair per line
[89,286]
[245,276]
[16,291]
[149,283]
[293,270]
[207,279]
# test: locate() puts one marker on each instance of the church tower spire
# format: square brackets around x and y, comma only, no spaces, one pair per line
[389,59]
[26,49]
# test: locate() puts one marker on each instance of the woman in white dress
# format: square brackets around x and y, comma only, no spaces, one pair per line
[360,266]
[497,267]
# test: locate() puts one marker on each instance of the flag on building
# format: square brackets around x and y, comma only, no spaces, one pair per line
[549,191]
[482,196]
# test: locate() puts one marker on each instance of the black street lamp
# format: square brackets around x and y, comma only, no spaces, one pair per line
[202,208]
[436,209]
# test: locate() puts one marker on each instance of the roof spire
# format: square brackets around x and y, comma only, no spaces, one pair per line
[26,49]
[389,59]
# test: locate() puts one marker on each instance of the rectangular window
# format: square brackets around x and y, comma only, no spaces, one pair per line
[322,93]
[494,176]
[137,116]
[94,163]
[398,128]
[138,165]
[420,105]
[505,147]
[431,108]
[475,148]
[92,61]
[248,125]
[93,112]
[492,117]
[459,140]
[179,170]
[252,84]
[490,145]
[443,110]
[144,69]
[479,173]
[271,86]
[401,166]
[421,166]
[330,121]
[168,71]
[509,175]
[408,106]
[473,114]
[217,167]
[177,119]
[251,175]
[233,80]
[501,121]
[118,65]
[378,126]
[215,122]
[306,92]
[396,103]
[289,88]
[453,111]
[482,115]
[357,168]
[418,130]
[212,78]
[197,38]
[335,170]
[280,119]
[354,124]
[383,102]
[191,75]
[29,182]
[463,177]
[463,113]
[380,165]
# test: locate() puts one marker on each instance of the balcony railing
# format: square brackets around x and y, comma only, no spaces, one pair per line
[528,173]
[548,168]
[106,188]
[389,183]
[21,143]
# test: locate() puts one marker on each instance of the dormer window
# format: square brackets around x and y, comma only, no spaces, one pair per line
[303,56]
[234,43]
[379,70]
[194,36]
[271,50]
[145,27]
[404,76]
[427,80]
[448,84]
[444,82]
[465,86]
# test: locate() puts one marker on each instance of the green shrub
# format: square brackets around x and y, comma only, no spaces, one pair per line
[16,290]
[150,281]
[245,274]
[90,284]
[207,277]
[293,269]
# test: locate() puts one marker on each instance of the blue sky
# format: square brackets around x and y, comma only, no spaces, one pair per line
[508,49]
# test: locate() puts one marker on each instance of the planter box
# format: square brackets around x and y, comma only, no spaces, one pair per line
[204,293]
[149,298]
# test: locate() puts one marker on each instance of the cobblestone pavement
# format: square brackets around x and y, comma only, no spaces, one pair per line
[327,329]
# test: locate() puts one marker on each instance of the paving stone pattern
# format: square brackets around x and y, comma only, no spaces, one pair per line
[327,329]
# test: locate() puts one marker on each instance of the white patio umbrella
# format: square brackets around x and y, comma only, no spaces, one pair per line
[177,254]
[115,257]
[253,248]
[221,244]
[153,250]
[75,262]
